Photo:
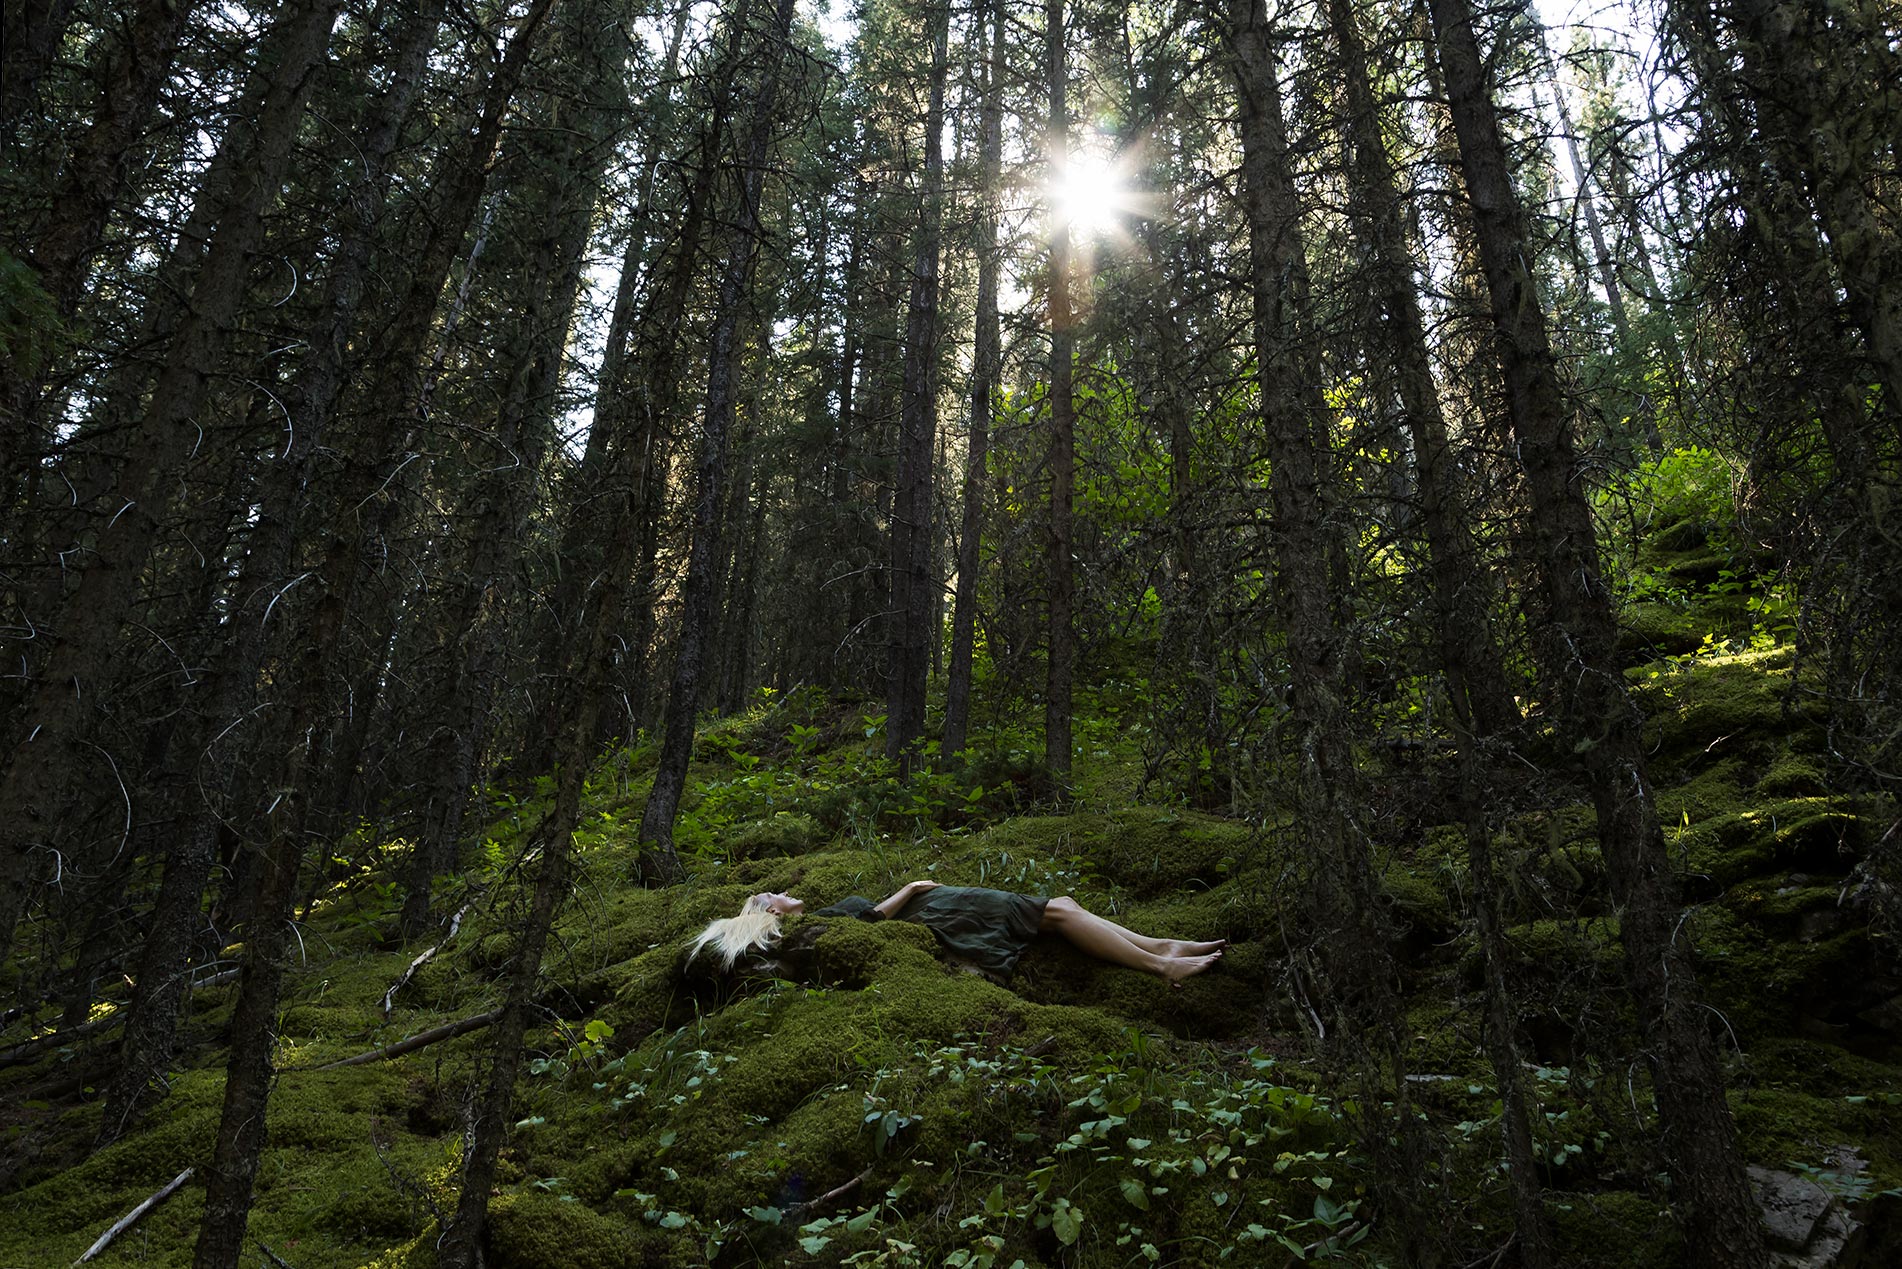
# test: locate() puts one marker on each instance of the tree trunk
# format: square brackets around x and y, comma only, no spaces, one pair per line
[151,1023]
[659,863]
[984,377]
[79,667]
[1461,604]
[30,33]
[132,76]
[914,584]
[1700,1144]
[502,495]
[1353,944]
[1061,574]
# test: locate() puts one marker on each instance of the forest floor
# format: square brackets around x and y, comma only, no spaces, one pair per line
[866,1103]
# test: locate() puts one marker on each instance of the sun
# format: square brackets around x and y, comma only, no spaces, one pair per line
[1091,196]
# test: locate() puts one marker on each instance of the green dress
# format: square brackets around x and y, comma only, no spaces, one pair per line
[987,929]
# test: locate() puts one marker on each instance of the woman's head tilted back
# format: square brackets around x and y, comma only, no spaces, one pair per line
[755,929]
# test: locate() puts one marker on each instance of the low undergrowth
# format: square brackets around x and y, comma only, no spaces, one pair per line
[864,1103]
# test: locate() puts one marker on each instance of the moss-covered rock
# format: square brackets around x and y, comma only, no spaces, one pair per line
[536,1231]
[783,833]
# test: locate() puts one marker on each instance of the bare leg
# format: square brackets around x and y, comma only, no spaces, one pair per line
[1107,941]
[1164,947]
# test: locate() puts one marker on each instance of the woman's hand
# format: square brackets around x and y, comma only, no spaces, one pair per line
[919,887]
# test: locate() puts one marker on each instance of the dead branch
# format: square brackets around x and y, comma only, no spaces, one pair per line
[800,1210]
[448,1031]
[455,924]
[126,1221]
[27,1050]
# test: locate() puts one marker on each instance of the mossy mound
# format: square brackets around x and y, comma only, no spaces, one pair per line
[855,1093]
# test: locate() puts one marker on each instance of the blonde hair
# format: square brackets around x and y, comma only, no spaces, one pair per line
[756,928]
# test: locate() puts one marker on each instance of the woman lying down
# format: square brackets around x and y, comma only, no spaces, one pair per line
[989,929]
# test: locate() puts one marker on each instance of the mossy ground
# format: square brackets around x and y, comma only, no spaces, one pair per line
[882,1103]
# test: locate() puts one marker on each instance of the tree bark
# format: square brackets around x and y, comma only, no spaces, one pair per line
[1700,1144]
[1060,597]
[1353,944]
[1460,599]
[659,863]
[30,32]
[914,586]
[79,666]
[163,968]
[984,377]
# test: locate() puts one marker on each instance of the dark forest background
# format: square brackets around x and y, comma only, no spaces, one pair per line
[403,403]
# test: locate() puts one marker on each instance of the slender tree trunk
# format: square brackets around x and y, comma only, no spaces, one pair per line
[1820,120]
[1354,945]
[79,667]
[232,1172]
[659,863]
[914,584]
[984,376]
[164,966]
[1482,704]
[616,393]
[1061,583]
[502,495]
[1602,260]
[131,77]
[1700,1142]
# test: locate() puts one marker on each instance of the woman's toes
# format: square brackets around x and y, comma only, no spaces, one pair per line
[1177,968]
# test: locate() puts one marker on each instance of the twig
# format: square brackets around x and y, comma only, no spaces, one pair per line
[276,1259]
[800,1209]
[125,1222]
[448,1031]
[455,924]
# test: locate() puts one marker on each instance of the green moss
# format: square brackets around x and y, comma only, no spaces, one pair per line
[1419,903]
[1760,982]
[535,1231]
[1812,834]
[1566,948]
[1144,850]
[1730,706]
[785,833]
[1659,629]
[1779,1127]
[1793,776]
[1614,1229]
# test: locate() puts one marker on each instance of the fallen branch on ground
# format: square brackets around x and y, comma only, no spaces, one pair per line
[27,1050]
[800,1210]
[448,1031]
[455,924]
[125,1222]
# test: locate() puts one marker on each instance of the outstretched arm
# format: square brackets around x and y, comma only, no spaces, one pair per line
[910,891]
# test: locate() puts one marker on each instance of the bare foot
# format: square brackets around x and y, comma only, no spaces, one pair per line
[1176,947]
[1177,968]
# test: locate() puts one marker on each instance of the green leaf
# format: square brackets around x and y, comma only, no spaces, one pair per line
[1067,1221]
[813,1244]
[863,1221]
[1135,1192]
[765,1215]
[673,1220]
